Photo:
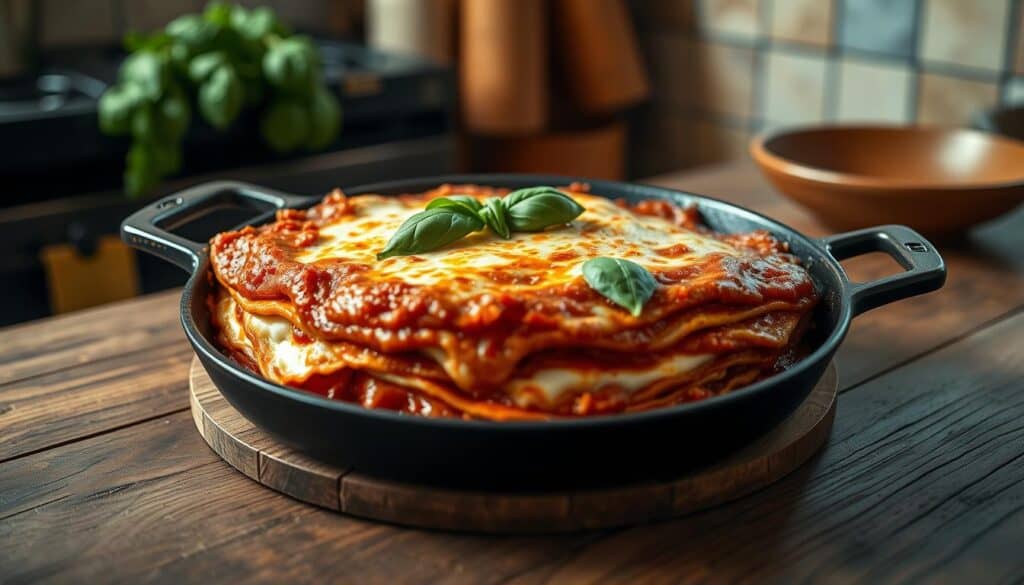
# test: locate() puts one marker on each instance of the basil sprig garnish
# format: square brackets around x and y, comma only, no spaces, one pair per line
[625,283]
[430,229]
[447,219]
[495,215]
[533,209]
[464,201]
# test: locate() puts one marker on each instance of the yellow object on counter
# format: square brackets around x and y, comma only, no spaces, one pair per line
[77,282]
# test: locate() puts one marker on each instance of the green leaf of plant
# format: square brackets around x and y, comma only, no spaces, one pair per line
[143,124]
[180,57]
[254,24]
[431,229]
[218,13]
[117,106]
[285,125]
[134,41]
[625,283]
[172,117]
[148,71]
[536,208]
[193,32]
[142,171]
[166,158]
[293,66]
[221,97]
[148,162]
[324,119]
[202,66]
[495,215]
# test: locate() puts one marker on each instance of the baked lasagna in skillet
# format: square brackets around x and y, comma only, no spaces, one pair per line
[597,307]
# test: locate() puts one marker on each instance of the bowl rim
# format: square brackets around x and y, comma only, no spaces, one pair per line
[761,151]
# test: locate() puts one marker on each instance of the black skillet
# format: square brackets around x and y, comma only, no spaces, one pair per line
[533,455]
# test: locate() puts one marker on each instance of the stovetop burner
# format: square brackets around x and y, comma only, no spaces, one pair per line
[48,92]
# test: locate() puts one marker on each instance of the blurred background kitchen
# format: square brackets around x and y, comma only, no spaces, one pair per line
[620,89]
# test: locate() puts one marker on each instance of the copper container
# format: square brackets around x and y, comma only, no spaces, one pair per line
[503,73]
[601,67]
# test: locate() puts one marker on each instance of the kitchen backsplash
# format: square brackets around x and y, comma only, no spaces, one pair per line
[724,70]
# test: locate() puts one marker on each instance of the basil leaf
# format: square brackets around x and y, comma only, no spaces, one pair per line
[431,229]
[166,158]
[164,122]
[467,199]
[463,201]
[285,125]
[324,119]
[221,97]
[202,66]
[143,123]
[142,171]
[292,65]
[148,72]
[117,108]
[136,41]
[625,283]
[218,13]
[192,31]
[495,215]
[179,56]
[172,117]
[533,209]
[254,24]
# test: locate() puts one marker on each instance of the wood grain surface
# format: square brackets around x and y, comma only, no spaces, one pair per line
[922,479]
[278,467]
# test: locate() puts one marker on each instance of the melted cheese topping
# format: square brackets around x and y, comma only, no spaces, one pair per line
[483,262]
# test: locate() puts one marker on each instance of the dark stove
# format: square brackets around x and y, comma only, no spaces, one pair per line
[51,146]
[50,91]
[61,177]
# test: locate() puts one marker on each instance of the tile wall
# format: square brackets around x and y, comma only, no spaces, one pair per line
[724,70]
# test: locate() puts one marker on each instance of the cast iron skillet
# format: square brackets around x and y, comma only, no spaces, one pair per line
[533,455]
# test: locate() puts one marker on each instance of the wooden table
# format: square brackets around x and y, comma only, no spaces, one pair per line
[104,478]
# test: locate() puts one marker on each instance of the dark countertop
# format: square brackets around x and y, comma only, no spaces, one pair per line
[104,478]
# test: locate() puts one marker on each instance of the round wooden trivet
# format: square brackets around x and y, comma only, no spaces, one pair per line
[265,460]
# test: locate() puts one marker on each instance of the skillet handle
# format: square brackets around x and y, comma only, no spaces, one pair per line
[148,228]
[925,270]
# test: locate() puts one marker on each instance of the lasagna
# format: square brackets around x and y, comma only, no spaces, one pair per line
[505,329]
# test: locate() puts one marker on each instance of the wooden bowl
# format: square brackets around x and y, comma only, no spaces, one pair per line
[940,181]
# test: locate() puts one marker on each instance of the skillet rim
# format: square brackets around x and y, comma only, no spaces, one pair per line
[609,190]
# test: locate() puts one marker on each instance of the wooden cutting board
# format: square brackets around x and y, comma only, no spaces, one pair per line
[280,468]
